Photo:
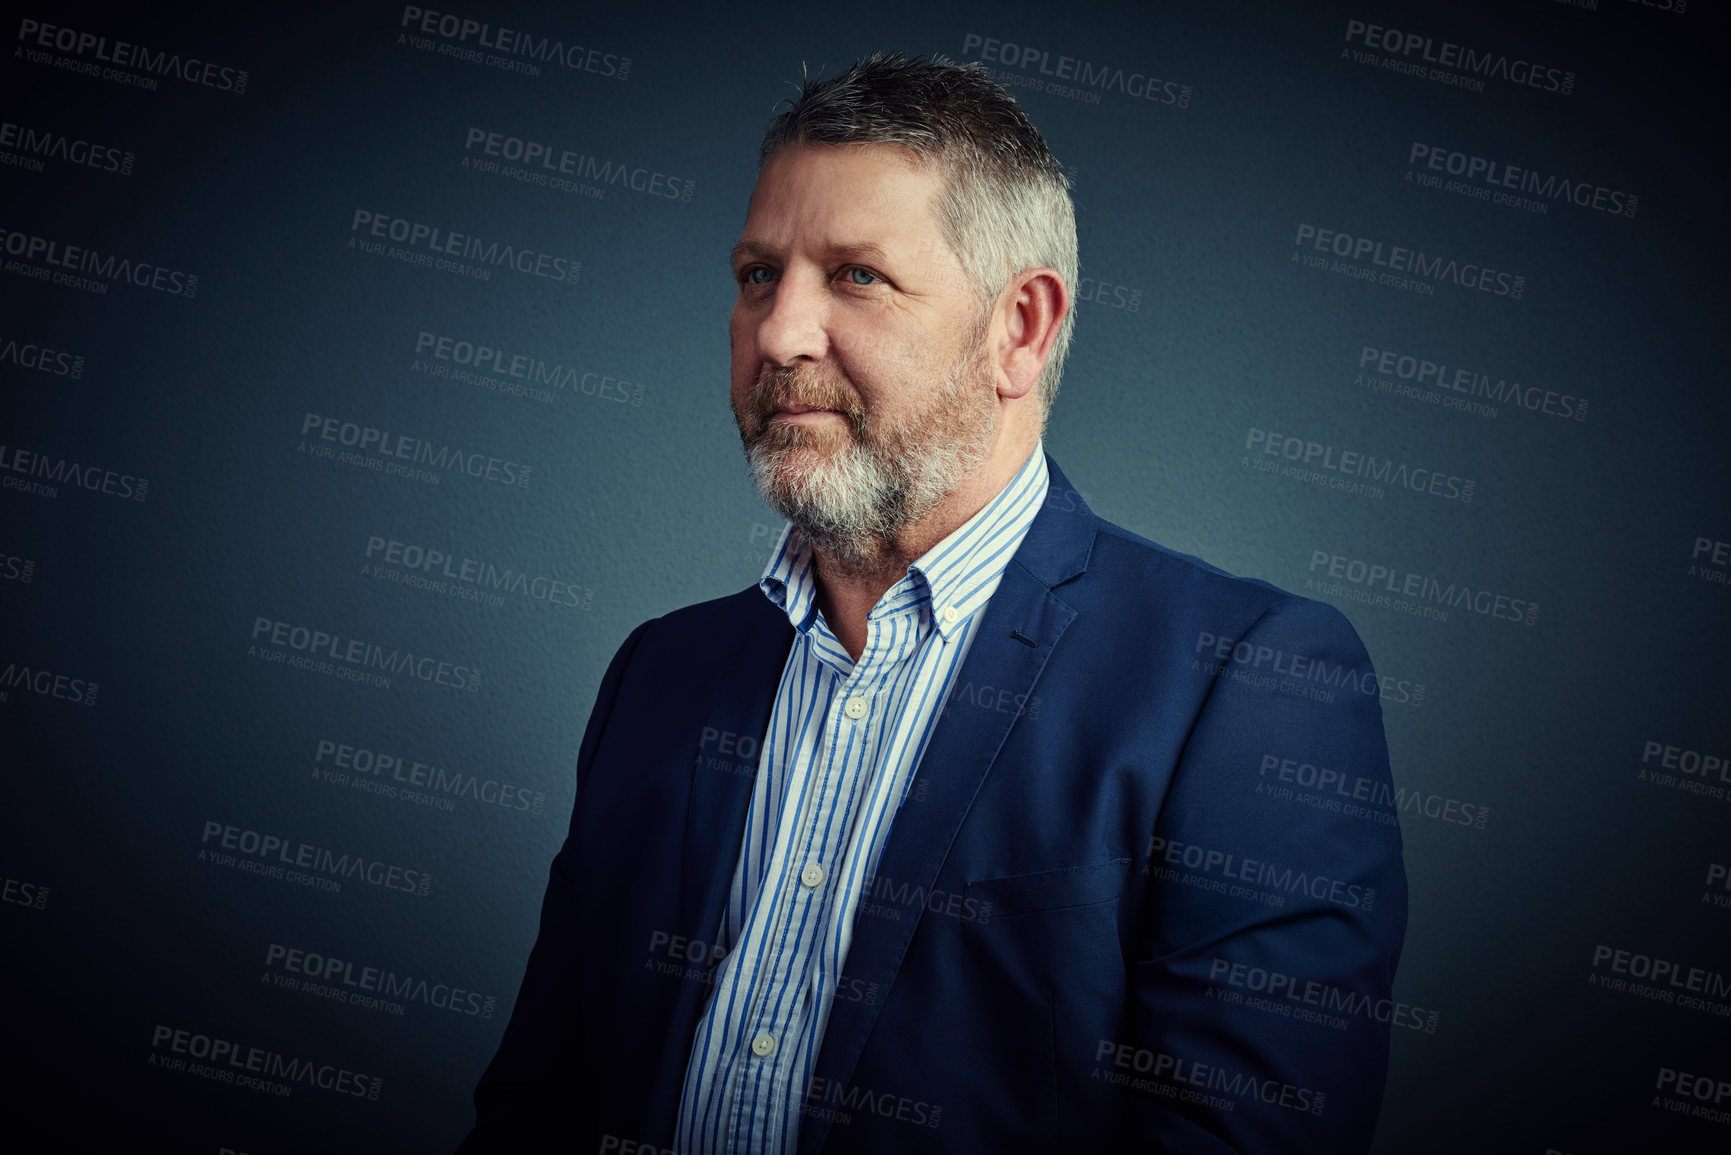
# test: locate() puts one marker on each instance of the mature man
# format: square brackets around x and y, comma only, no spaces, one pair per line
[974,827]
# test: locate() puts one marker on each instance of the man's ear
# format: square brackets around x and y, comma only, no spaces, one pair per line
[1024,324]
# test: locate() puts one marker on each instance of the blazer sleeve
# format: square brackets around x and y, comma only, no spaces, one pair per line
[1263,977]
[533,1095]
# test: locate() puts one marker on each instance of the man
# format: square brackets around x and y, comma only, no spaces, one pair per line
[972,828]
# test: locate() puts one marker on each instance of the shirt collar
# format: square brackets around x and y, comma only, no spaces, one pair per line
[950,581]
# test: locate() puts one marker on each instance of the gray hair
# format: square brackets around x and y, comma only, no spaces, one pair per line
[1005,205]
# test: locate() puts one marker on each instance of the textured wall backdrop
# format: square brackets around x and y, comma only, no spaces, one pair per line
[363,382]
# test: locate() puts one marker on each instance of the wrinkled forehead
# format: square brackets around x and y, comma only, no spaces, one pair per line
[854,184]
[847,194]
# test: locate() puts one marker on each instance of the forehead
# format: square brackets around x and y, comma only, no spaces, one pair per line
[819,195]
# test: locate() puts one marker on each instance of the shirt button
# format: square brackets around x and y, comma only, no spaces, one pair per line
[764,1045]
[856,708]
[950,615]
[812,874]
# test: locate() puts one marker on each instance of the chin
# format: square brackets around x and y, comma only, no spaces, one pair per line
[809,442]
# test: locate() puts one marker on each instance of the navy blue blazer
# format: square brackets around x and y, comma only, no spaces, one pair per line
[1146,893]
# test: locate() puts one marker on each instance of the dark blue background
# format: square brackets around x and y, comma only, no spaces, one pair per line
[645,505]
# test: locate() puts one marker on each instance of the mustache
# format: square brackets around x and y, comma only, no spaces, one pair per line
[804,385]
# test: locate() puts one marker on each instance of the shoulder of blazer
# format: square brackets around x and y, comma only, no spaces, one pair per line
[747,613]
[695,646]
[1119,547]
[1069,541]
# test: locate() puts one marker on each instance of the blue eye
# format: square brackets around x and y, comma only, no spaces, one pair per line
[752,275]
[854,273]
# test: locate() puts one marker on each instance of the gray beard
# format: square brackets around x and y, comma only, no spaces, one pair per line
[854,501]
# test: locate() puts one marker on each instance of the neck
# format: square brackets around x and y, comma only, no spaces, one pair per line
[848,588]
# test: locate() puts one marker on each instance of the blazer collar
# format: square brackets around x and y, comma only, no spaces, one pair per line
[1061,540]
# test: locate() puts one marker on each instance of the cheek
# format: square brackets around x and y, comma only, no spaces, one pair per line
[742,343]
[883,373]
[739,400]
[887,355]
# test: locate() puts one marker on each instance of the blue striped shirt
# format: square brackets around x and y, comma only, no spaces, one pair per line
[844,740]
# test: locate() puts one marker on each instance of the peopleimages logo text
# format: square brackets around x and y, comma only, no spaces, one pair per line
[1670,973]
[41,358]
[276,850]
[1354,463]
[1460,58]
[1498,175]
[1231,867]
[231,1062]
[511,42]
[46,143]
[378,981]
[124,54]
[1326,997]
[466,246]
[114,269]
[1421,587]
[55,471]
[1445,378]
[1217,650]
[1240,1085]
[369,439]
[534,371]
[48,684]
[354,651]
[554,160]
[438,564]
[1416,262]
[1085,74]
[359,762]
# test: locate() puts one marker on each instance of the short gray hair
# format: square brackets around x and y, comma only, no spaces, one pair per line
[1005,206]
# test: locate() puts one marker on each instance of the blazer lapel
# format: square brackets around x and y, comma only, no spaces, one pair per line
[1022,624]
[714,828]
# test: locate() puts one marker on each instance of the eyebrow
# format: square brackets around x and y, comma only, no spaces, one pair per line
[861,250]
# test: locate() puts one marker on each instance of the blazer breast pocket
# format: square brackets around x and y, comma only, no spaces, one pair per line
[993,898]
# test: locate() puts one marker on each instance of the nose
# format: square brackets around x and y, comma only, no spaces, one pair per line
[792,326]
